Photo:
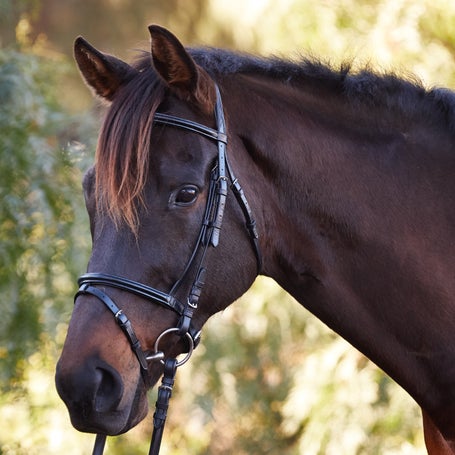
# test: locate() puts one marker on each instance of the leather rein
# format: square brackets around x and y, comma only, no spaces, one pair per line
[209,233]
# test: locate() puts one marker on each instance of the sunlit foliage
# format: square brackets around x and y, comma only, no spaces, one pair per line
[41,246]
[38,208]
[268,377]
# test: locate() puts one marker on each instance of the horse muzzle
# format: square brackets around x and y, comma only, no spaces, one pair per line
[97,398]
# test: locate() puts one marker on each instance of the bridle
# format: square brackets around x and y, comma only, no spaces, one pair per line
[209,233]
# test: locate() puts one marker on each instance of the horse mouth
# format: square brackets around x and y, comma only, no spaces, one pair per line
[93,418]
[100,401]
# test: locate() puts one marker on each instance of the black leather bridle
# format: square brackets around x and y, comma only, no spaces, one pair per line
[221,176]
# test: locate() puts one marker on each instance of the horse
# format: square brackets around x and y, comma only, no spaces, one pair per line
[214,166]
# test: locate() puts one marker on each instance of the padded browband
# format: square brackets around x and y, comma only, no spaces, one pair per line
[170,120]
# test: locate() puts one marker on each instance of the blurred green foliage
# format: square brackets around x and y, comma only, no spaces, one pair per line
[40,199]
[43,240]
[268,377]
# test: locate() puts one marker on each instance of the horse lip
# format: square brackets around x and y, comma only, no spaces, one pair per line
[108,423]
[111,424]
[85,417]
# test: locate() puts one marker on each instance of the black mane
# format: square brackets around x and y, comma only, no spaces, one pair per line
[386,90]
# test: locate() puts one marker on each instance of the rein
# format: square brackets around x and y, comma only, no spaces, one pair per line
[209,234]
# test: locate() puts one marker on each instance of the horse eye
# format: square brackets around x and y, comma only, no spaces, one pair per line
[186,195]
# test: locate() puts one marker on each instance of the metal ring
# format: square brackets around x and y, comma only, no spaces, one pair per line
[190,345]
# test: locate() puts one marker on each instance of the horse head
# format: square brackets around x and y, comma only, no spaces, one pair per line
[155,199]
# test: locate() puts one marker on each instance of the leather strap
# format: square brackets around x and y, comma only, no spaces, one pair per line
[121,318]
[178,122]
[139,289]
[162,404]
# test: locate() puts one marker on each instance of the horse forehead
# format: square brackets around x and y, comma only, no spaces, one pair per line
[177,151]
[169,141]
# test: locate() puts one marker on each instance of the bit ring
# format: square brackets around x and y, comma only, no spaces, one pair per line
[190,345]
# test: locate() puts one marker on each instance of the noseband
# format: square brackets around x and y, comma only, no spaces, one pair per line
[209,233]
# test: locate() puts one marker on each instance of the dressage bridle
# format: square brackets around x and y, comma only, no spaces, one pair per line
[221,178]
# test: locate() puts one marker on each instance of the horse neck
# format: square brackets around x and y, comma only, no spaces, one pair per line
[338,177]
[353,216]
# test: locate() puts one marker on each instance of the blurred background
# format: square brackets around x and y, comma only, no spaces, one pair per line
[268,377]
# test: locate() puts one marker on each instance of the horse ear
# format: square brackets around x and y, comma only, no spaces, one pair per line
[102,72]
[178,69]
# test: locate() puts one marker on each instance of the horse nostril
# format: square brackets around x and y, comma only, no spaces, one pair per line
[109,391]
